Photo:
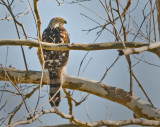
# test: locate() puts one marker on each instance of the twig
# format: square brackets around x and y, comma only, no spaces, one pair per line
[108,69]
[16,22]
[22,96]
[82,100]
[82,63]
[140,59]
[136,25]
[69,103]
[143,90]
[152,12]
[60,4]
[86,66]
[99,33]
[20,105]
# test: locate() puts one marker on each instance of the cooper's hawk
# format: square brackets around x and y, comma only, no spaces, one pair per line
[55,61]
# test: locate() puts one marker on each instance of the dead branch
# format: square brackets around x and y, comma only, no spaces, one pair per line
[141,108]
[69,98]
[141,49]
[138,46]
[91,124]
[38,19]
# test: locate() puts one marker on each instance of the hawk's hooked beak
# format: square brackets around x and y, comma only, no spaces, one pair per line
[65,22]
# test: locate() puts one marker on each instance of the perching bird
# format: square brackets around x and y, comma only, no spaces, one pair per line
[55,61]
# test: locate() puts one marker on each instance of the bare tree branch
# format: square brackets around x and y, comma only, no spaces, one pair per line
[141,108]
[132,47]
[91,124]
[38,19]
[142,49]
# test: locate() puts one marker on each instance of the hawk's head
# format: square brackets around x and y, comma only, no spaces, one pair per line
[57,22]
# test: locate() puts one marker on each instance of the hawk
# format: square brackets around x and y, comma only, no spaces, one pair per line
[55,61]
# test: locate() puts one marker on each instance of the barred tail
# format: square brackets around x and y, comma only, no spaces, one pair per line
[55,85]
[55,93]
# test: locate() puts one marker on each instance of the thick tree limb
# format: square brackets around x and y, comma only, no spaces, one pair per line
[89,47]
[49,46]
[142,49]
[134,103]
